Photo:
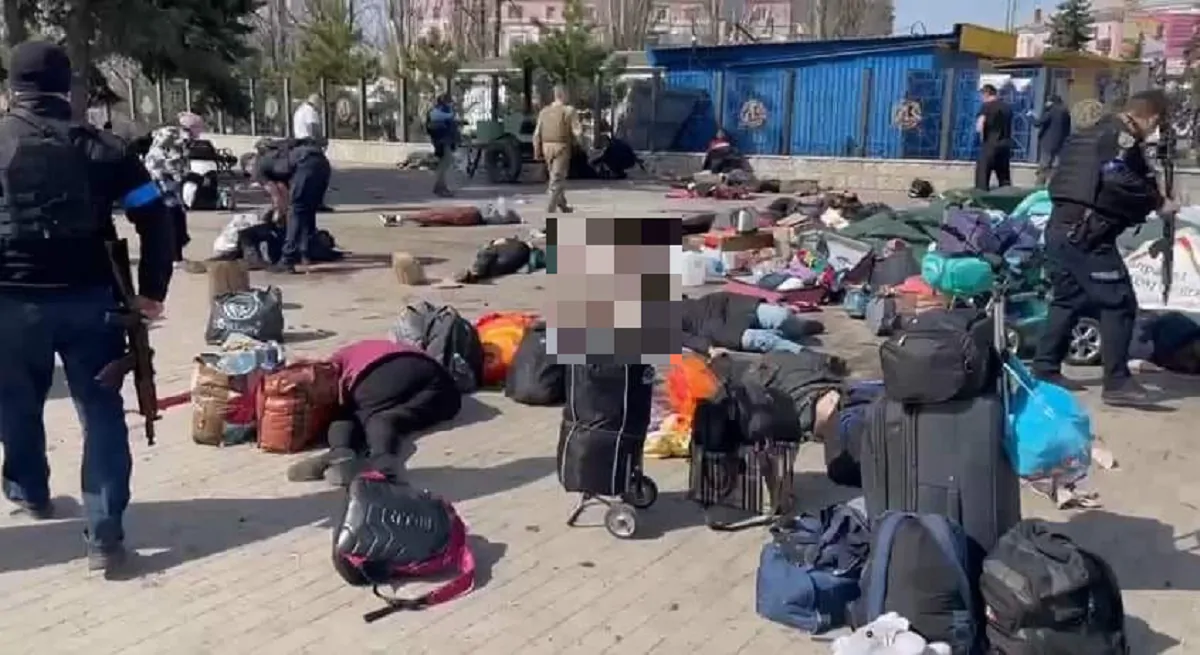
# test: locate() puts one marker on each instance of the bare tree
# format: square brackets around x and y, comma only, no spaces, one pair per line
[626,22]
[835,19]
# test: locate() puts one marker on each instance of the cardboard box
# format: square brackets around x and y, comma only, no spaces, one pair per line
[734,242]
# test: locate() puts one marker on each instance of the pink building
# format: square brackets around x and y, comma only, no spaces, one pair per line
[1164,30]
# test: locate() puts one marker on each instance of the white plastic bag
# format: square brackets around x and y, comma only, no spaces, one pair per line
[227,241]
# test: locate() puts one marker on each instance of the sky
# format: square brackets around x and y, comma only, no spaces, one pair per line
[940,15]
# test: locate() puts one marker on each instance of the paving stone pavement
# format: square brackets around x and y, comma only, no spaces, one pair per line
[235,559]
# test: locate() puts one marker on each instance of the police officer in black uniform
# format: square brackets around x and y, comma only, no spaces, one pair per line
[58,182]
[1103,186]
[296,173]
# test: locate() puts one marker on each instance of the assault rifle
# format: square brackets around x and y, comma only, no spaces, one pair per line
[138,357]
[1166,245]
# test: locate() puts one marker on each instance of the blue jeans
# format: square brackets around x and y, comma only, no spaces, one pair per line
[73,323]
[776,329]
[307,187]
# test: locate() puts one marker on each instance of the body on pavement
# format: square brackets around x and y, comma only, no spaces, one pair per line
[389,392]
[1104,185]
[60,179]
[556,133]
[729,321]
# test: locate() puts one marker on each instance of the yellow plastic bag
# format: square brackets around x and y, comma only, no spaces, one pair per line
[672,440]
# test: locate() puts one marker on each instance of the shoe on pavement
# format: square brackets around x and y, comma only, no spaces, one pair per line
[310,469]
[1128,394]
[344,469]
[40,511]
[107,558]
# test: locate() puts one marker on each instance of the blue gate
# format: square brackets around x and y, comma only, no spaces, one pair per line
[1018,88]
[698,129]
[756,111]
[920,116]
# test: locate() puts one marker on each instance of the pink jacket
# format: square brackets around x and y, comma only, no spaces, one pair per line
[359,357]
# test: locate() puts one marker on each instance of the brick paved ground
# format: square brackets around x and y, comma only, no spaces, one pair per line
[236,560]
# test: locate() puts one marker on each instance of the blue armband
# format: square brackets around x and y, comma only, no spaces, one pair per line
[142,196]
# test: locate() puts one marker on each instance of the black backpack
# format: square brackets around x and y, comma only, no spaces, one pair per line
[957,344]
[447,337]
[1044,595]
[923,567]
[535,378]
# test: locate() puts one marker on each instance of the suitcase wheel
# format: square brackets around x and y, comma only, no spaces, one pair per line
[642,494]
[621,520]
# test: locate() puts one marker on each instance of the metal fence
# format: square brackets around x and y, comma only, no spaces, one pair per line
[369,110]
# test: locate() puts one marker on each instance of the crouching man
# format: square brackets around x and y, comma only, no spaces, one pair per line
[389,392]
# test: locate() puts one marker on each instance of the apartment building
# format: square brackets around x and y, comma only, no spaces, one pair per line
[1164,30]
[673,22]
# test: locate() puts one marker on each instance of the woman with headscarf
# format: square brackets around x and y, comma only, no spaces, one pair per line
[167,162]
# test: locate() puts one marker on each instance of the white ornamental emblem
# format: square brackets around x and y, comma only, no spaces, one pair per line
[344,109]
[146,105]
[241,307]
[907,115]
[753,114]
[271,108]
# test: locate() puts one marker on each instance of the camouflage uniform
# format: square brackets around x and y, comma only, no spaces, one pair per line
[167,161]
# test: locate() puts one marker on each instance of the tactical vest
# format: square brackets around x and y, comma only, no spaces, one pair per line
[44,175]
[1077,178]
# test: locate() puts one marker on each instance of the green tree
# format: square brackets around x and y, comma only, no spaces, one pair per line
[331,46]
[201,40]
[570,55]
[1071,26]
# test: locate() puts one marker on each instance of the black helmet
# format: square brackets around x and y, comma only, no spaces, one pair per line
[920,189]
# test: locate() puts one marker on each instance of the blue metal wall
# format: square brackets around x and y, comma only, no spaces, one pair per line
[842,98]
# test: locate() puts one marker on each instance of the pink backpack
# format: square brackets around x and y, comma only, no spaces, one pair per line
[390,533]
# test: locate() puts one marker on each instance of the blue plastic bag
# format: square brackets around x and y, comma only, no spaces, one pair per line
[1049,433]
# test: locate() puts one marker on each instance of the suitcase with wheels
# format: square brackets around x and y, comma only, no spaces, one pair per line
[948,459]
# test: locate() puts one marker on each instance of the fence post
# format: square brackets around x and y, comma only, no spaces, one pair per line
[362,109]
[719,109]
[323,89]
[864,120]
[789,109]
[221,121]
[946,138]
[252,91]
[187,95]
[596,117]
[655,86]
[158,91]
[403,127]
[287,107]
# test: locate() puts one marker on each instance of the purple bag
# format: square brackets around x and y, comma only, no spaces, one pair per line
[967,232]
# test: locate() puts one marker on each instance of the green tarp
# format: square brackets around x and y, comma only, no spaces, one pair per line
[916,226]
[1005,198]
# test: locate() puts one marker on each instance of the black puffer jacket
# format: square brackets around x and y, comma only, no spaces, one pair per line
[717,319]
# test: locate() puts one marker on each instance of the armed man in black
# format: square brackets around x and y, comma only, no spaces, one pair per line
[58,182]
[1104,185]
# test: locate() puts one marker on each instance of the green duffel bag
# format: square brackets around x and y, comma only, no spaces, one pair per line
[957,276]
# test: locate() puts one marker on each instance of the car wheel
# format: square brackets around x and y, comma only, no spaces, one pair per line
[1085,343]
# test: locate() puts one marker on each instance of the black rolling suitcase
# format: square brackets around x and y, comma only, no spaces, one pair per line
[946,459]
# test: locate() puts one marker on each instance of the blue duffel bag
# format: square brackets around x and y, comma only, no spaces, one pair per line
[808,574]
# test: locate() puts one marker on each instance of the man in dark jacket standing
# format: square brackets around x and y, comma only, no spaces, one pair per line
[59,181]
[723,321]
[1053,126]
[1103,187]
[994,125]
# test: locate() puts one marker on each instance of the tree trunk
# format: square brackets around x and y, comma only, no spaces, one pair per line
[14,20]
[79,36]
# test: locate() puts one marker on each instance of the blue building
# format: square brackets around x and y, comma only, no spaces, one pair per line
[904,97]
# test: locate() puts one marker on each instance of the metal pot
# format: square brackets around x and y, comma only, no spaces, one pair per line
[745,221]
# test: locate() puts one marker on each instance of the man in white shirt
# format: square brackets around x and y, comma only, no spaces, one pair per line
[306,124]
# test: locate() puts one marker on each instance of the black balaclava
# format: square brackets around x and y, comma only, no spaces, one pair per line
[39,67]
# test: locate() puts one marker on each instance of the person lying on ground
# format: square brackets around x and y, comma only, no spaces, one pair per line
[723,321]
[389,392]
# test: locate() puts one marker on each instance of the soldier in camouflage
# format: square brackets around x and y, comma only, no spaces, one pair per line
[167,162]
